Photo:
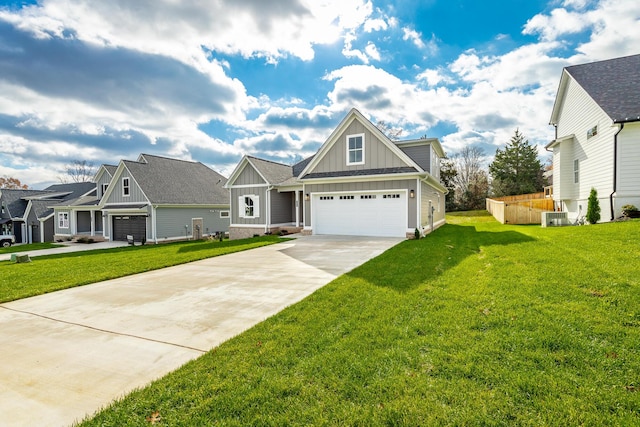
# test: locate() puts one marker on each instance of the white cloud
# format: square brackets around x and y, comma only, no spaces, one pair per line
[413,36]
[434,77]
[372,51]
[376,24]
[559,23]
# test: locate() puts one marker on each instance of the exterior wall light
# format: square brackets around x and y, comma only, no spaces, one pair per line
[412,194]
[306,197]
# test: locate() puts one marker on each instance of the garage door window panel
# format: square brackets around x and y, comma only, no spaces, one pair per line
[355,149]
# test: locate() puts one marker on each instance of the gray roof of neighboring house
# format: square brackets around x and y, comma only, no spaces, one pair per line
[613,84]
[14,201]
[273,172]
[75,189]
[171,181]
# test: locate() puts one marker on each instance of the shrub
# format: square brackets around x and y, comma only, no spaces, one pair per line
[593,207]
[417,233]
[628,210]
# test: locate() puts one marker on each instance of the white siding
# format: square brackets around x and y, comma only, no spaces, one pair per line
[629,161]
[578,114]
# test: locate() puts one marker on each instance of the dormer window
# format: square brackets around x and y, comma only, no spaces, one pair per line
[355,149]
[126,188]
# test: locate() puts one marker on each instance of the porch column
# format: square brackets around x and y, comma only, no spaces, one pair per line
[93,222]
[297,208]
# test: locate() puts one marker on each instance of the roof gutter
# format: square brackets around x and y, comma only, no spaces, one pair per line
[615,169]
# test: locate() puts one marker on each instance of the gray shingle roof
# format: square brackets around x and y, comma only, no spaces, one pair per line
[14,201]
[171,181]
[273,172]
[75,189]
[613,84]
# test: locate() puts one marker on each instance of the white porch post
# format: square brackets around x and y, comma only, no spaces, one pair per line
[297,208]
[93,222]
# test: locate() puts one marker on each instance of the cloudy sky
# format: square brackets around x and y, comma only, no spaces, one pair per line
[212,80]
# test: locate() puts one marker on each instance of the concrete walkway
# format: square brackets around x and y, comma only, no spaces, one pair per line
[65,248]
[67,354]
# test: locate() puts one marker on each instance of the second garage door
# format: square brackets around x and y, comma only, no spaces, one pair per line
[129,225]
[360,214]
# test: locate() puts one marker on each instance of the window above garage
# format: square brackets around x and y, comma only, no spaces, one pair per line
[355,149]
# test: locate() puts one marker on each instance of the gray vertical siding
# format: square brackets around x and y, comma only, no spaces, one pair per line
[258,191]
[105,178]
[57,227]
[170,222]
[376,154]
[404,184]
[135,193]
[249,176]
[437,199]
[282,207]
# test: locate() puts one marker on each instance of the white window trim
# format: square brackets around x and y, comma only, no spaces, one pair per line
[104,187]
[242,206]
[127,186]
[576,171]
[348,151]
[63,219]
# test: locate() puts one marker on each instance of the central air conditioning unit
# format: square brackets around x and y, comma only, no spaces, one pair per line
[555,219]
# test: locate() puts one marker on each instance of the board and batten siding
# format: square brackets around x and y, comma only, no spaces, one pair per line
[135,193]
[170,222]
[428,193]
[57,228]
[249,176]
[578,114]
[261,192]
[105,178]
[376,154]
[404,184]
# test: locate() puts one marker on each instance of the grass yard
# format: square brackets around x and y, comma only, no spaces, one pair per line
[479,324]
[55,272]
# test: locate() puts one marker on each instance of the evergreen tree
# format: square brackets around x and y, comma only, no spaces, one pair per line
[516,169]
[448,174]
[593,207]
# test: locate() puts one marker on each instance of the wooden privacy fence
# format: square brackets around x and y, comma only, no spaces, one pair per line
[520,209]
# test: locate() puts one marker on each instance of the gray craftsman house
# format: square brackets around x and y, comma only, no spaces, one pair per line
[29,214]
[154,199]
[358,183]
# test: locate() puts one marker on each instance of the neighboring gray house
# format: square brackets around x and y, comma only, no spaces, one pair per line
[28,214]
[358,183]
[154,199]
[597,143]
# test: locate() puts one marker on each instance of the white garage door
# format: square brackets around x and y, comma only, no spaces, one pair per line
[360,214]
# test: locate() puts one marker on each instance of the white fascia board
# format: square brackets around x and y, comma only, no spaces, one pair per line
[559,140]
[361,178]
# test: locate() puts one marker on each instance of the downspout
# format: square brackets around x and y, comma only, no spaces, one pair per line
[267,208]
[615,169]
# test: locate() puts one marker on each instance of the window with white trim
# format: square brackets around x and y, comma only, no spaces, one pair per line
[104,189]
[63,219]
[249,206]
[355,149]
[126,187]
[224,214]
[576,171]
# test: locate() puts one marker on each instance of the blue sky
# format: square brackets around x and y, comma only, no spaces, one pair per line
[101,81]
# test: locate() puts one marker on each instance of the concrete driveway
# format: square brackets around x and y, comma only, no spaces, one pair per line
[67,354]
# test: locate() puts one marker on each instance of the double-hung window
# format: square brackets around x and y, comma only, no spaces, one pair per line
[355,149]
[126,187]
[63,219]
[576,171]
[249,206]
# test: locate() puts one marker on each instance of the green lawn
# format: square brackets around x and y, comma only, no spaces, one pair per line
[478,324]
[55,272]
